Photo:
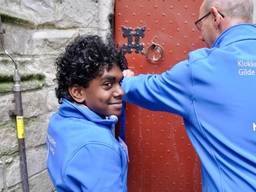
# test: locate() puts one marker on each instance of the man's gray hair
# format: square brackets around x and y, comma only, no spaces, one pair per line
[242,9]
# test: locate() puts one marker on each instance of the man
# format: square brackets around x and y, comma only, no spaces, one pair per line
[214,91]
[84,155]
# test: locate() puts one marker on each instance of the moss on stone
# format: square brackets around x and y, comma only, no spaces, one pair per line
[18,21]
[6,87]
[29,77]
[32,84]
[28,82]
[47,26]
[5,78]
[29,24]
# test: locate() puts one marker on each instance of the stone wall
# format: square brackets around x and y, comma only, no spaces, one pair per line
[36,32]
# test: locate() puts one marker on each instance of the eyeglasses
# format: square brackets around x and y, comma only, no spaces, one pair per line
[198,22]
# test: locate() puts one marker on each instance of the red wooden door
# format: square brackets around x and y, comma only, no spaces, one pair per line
[161,156]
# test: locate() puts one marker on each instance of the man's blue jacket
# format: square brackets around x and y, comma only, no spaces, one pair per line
[83,154]
[214,90]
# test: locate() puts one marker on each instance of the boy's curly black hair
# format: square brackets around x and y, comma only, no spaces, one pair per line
[83,60]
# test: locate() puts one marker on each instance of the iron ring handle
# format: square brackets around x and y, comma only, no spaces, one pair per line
[154,53]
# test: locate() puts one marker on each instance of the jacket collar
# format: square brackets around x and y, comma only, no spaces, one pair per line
[234,34]
[69,109]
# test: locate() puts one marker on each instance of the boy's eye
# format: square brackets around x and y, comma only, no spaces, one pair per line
[107,85]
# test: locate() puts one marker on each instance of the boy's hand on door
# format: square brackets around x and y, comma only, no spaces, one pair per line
[128,73]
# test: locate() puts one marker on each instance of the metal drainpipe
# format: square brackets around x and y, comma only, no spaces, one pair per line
[19,117]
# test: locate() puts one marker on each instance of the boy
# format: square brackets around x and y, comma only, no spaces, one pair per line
[84,155]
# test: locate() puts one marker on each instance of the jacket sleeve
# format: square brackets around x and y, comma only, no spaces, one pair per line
[169,91]
[94,168]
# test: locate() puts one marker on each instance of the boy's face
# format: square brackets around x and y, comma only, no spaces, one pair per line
[104,94]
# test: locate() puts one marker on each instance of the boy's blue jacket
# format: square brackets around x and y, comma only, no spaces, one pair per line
[83,154]
[214,90]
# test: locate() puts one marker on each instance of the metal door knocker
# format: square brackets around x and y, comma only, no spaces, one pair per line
[154,53]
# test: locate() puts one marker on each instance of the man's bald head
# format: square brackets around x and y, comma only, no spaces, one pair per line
[233,9]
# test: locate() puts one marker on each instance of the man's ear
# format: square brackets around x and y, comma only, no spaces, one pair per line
[77,93]
[217,17]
